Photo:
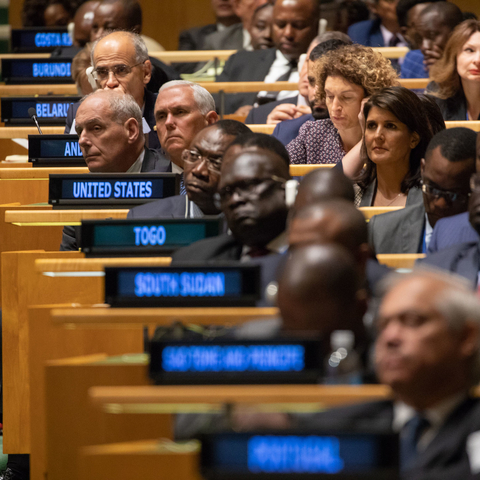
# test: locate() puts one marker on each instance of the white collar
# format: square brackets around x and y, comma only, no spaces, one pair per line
[176,168]
[137,165]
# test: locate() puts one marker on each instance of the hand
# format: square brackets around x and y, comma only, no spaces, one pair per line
[361,117]
[432,56]
[243,111]
[284,111]
[247,418]
[303,110]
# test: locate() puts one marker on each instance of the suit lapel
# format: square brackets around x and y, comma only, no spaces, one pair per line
[412,234]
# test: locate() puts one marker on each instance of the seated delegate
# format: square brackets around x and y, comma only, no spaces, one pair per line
[343,80]
[397,133]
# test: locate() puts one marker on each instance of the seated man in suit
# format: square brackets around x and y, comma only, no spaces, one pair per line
[121,62]
[295,25]
[182,109]
[202,162]
[384,31]
[251,195]
[109,126]
[446,170]
[428,351]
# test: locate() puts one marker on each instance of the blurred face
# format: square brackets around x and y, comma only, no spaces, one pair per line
[253,202]
[56,16]
[295,24]
[261,29]
[223,8]
[117,50]
[83,23]
[468,60]
[103,142]
[387,139]
[410,32]
[108,17]
[386,10]
[343,100]
[203,164]
[416,351]
[178,120]
[433,32]
[447,186]
[244,10]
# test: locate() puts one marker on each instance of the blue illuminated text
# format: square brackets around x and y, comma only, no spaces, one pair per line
[120,189]
[72,149]
[53,39]
[52,109]
[180,285]
[294,454]
[51,69]
[149,236]
[233,358]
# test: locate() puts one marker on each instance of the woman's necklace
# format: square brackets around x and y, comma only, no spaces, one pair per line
[395,199]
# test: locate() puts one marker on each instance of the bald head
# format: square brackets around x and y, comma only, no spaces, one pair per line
[323,184]
[317,291]
[83,23]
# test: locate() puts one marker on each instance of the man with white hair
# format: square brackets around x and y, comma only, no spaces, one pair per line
[428,351]
[120,62]
[182,109]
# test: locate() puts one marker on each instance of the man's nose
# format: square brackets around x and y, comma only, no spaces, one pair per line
[426,44]
[201,168]
[288,31]
[83,140]
[112,81]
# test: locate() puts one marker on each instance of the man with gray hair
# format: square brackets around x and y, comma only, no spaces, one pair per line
[120,62]
[427,350]
[182,109]
[109,126]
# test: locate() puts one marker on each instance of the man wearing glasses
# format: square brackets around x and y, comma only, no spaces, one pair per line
[202,163]
[120,62]
[446,170]
[251,194]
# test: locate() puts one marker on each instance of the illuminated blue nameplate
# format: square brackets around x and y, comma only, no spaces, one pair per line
[145,237]
[49,110]
[55,151]
[273,361]
[33,70]
[112,190]
[39,39]
[187,286]
[357,454]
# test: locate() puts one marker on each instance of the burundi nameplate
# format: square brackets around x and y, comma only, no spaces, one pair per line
[145,237]
[186,286]
[332,453]
[55,151]
[236,362]
[50,110]
[39,39]
[110,190]
[20,71]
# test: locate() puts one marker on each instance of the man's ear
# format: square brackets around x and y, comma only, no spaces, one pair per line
[211,117]
[132,129]
[147,66]
[137,29]
[469,339]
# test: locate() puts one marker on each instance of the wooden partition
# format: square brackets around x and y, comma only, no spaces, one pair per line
[399,260]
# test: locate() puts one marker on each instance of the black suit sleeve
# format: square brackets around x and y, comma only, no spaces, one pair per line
[70,239]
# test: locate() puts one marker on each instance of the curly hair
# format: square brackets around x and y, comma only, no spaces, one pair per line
[356,64]
[444,71]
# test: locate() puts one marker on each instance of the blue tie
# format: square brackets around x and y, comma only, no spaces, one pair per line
[183,190]
[409,437]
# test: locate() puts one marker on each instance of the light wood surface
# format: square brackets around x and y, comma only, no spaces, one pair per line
[146,460]
[301,170]
[369,212]
[159,316]
[24,132]
[97,264]
[326,395]
[61,217]
[38,172]
[25,191]
[472,125]
[260,128]
[399,260]
[31,90]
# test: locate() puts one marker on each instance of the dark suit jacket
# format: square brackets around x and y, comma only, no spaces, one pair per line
[153,161]
[258,115]
[445,458]
[414,195]
[462,259]
[148,115]
[287,130]
[193,39]
[245,66]
[231,38]
[170,207]
[398,232]
[453,108]
[367,33]
[451,231]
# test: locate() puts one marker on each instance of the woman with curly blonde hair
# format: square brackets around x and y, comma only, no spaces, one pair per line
[344,77]
[456,76]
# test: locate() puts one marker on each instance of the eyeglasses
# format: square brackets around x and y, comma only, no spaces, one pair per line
[254,188]
[119,71]
[450,197]
[193,157]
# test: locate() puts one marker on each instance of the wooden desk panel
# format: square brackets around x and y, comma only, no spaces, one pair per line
[37,172]
[31,90]
[24,132]
[399,260]
[60,217]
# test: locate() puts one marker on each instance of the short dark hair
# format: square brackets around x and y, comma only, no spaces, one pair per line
[404,6]
[433,112]
[326,46]
[231,127]
[456,144]
[132,10]
[263,141]
[450,13]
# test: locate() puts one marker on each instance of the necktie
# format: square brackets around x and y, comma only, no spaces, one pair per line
[394,41]
[183,190]
[271,96]
[410,435]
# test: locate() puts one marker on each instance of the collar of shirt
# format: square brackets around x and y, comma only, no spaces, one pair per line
[193,210]
[436,415]
[247,40]
[277,245]
[279,67]
[176,168]
[428,231]
[220,27]
[388,35]
[137,166]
